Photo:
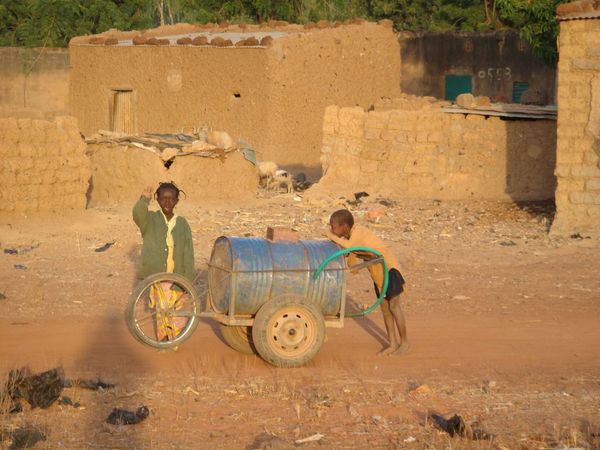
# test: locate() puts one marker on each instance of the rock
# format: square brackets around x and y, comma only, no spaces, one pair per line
[422,390]
[456,426]
[26,437]
[267,41]
[169,153]
[184,41]
[199,145]
[483,100]
[374,215]
[466,101]
[200,40]
[124,417]
[220,139]
[314,438]
[266,441]
[218,41]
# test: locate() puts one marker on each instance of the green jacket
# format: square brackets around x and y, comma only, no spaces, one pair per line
[154,249]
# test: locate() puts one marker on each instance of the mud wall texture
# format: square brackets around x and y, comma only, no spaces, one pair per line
[409,148]
[43,166]
[34,83]
[121,173]
[272,96]
[494,61]
[578,146]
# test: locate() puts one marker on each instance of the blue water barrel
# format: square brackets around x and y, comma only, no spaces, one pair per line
[251,271]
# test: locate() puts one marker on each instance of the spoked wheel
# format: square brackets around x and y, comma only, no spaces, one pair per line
[288,333]
[162,311]
[239,338]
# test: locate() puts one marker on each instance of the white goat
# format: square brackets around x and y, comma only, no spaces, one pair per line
[266,171]
[284,177]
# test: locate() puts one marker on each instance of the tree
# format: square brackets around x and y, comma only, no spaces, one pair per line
[537,23]
[430,15]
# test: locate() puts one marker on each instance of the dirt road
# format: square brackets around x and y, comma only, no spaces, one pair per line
[495,302]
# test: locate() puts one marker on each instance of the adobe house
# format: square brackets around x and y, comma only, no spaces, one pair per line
[578,135]
[267,84]
[498,64]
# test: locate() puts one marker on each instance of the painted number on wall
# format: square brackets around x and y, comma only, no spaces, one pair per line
[498,73]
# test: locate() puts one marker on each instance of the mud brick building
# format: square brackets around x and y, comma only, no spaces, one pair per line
[272,92]
[498,64]
[578,135]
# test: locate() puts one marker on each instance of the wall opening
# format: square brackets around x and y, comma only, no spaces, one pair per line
[237,95]
[122,118]
[456,85]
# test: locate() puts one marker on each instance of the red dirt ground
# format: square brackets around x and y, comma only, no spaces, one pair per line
[503,321]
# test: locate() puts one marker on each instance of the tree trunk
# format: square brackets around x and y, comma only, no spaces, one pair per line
[170,12]
[161,11]
[487,12]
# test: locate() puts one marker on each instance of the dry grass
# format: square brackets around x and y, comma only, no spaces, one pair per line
[212,406]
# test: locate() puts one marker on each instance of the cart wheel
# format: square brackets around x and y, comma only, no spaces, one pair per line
[239,338]
[162,311]
[288,333]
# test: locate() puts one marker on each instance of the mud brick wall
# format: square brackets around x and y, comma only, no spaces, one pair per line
[120,174]
[43,166]
[578,146]
[409,148]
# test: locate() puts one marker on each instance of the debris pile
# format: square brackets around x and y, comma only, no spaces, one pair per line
[201,142]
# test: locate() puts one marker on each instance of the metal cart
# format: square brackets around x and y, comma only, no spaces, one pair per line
[270,297]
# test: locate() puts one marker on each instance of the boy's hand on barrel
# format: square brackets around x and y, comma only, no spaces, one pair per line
[148,192]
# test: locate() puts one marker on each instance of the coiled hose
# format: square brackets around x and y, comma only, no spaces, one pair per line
[385,275]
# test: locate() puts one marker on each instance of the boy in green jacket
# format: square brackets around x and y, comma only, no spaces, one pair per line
[168,245]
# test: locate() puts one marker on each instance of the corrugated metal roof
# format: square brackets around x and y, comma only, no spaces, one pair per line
[507,110]
[582,16]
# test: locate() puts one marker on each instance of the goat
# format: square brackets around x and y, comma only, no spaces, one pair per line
[284,177]
[266,171]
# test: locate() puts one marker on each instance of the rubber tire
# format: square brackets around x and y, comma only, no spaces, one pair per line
[265,322]
[239,338]
[140,288]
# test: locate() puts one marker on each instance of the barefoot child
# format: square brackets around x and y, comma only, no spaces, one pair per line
[167,247]
[346,234]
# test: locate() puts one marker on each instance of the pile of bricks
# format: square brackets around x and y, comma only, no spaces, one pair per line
[578,145]
[43,165]
[414,150]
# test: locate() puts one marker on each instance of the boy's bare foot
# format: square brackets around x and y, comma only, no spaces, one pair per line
[402,349]
[388,350]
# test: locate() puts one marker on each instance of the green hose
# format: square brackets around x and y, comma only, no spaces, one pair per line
[385,275]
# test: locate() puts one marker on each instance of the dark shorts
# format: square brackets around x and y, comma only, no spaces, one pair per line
[395,285]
